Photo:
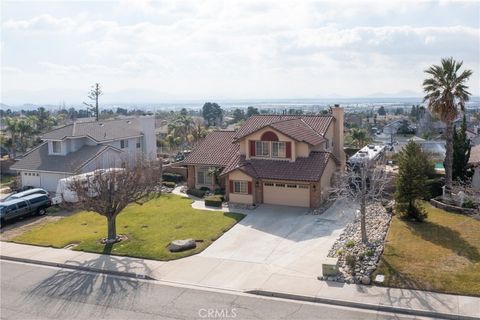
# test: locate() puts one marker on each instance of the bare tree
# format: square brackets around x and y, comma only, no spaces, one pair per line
[94,93]
[108,191]
[363,185]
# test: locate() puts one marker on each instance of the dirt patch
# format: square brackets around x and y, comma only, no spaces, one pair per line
[17,227]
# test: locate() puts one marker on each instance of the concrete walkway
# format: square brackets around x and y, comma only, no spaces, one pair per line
[260,279]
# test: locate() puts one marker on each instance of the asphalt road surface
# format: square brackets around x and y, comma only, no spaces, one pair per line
[37,292]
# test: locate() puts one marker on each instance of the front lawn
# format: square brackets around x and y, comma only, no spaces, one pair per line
[149,228]
[6,179]
[441,254]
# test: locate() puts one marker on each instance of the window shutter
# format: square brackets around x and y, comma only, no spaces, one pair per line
[252,148]
[231,186]
[288,152]
[249,187]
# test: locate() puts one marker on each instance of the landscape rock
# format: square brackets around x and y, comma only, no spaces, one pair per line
[366,255]
[182,245]
[365,280]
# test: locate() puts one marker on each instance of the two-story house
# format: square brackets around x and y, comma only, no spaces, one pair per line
[274,159]
[82,147]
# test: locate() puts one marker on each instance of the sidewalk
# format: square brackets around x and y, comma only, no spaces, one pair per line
[213,273]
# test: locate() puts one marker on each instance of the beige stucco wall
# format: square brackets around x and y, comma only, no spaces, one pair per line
[244,143]
[240,198]
[325,181]
[302,149]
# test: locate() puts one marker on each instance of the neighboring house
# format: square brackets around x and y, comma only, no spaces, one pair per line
[474,162]
[275,159]
[86,146]
[473,135]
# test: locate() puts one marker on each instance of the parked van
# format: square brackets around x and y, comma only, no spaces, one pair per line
[27,206]
[26,193]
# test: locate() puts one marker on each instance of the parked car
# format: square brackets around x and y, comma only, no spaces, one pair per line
[26,193]
[26,206]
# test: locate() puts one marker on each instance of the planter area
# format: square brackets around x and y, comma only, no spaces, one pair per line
[437,203]
[356,260]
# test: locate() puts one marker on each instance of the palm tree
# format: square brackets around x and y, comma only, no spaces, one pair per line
[360,137]
[446,94]
[12,128]
[25,129]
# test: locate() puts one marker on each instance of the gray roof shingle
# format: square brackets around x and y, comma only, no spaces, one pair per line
[99,131]
[38,159]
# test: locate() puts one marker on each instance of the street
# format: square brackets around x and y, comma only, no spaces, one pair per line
[32,291]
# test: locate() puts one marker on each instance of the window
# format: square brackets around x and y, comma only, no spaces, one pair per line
[56,147]
[203,177]
[240,187]
[291,186]
[262,148]
[123,144]
[22,204]
[268,184]
[139,143]
[302,186]
[278,149]
[280,185]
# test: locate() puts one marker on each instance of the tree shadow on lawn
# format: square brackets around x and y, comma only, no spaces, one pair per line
[408,293]
[65,291]
[445,237]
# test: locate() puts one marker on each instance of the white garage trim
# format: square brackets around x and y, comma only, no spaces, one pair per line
[288,194]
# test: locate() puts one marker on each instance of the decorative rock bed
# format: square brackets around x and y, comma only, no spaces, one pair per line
[182,245]
[356,260]
[241,206]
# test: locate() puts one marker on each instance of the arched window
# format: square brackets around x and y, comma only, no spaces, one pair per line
[269,136]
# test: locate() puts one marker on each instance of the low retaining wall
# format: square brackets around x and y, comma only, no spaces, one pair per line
[451,208]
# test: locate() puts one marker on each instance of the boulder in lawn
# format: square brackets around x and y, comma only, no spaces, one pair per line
[182,245]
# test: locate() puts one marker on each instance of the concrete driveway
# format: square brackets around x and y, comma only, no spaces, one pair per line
[271,242]
[283,237]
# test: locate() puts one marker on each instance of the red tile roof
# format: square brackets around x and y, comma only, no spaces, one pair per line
[217,149]
[309,129]
[303,169]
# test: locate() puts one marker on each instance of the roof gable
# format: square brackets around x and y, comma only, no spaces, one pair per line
[309,129]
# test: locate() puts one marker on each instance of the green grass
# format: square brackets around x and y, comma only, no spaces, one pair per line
[441,254]
[149,228]
[6,179]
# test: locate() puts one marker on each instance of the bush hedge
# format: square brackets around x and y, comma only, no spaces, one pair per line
[172,177]
[169,184]
[219,191]
[196,192]
[213,201]
[205,189]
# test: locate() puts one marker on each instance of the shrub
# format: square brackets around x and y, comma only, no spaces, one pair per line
[350,244]
[469,204]
[351,261]
[435,187]
[370,252]
[172,177]
[169,184]
[414,211]
[213,201]
[206,189]
[218,191]
[361,256]
[196,192]
[340,252]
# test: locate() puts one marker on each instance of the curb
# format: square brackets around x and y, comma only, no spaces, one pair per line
[81,268]
[360,305]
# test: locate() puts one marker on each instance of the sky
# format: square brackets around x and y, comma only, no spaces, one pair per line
[147,51]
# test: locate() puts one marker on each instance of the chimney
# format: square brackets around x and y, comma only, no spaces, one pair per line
[337,113]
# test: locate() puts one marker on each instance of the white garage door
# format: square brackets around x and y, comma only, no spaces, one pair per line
[297,195]
[31,179]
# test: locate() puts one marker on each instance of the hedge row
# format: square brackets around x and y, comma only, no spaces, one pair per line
[213,201]
[172,177]
[196,192]
[169,184]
